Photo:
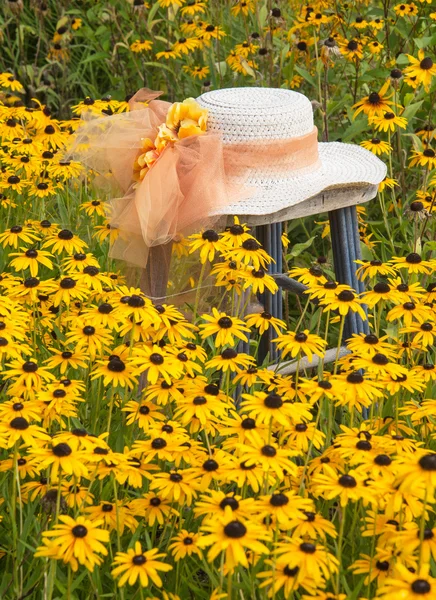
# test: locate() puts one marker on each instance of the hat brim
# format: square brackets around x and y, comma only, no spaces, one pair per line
[341,165]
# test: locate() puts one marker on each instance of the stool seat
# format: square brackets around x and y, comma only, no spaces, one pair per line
[333,198]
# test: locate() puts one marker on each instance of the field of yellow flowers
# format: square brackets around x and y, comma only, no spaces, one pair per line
[144,453]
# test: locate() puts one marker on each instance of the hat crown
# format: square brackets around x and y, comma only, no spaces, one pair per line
[251,114]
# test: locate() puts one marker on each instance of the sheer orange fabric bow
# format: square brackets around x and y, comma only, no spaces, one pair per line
[185,186]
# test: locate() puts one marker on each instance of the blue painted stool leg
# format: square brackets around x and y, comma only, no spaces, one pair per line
[346,249]
[270,238]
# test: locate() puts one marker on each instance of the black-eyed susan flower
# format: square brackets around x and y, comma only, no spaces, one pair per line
[258,281]
[344,302]
[301,343]
[157,363]
[9,81]
[402,9]
[418,469]
[413,262]
[312,525]
[407,292]
[377,146]
[116,372]
[247,378]
[95,340]
[233,537]
[388,121]
[184,544]
[283,576]
[66,359]
[423,68]
[381,292]
[152,508]
[213,503]
[423,333]
[17,407]
[61,458]
[75,541]
[302,436]
[93,207]
[388,182]
[186,45]
[266,408]
[144,413]
[179,486]
[249,253]
[346,487]
[263,321]
[309,276]
[281,507]
[201,408]
[224,327]
[20,430]
[69,289]
[375,103]
[373,568]
[197,71]
[27,374]
[17,234]
[270,456]
[141,46]
[352,49]
[31,259]
[230,360]
[312,559]
[375,47]
[317,388]
[416,585]
[136,564]
[372,268]
[239,427]
[235,235]
[379,364]
[425,158]
[64,241]
[361,343]
[113,516]
[408,312]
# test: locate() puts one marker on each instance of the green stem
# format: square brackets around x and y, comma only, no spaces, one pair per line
[341,332]
[339,556]
[197,295]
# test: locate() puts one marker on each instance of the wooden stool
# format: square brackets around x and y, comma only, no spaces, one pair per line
[340,204]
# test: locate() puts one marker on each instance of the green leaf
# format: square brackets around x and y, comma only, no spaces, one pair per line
[425,42]
[429,246]
[151,15]
[306,75]
[373,74]
[411,109]
[283,53]
[402,59]
[299,248]
[263,15]
[354,130]
[221,68]
[158,65]
[94,57]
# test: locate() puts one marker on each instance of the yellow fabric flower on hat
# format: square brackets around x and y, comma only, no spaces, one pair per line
[187,116]
[165,136]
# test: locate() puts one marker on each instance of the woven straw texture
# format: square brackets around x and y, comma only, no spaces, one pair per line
[250,115]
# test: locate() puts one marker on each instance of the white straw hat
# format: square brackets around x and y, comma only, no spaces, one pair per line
[254,116]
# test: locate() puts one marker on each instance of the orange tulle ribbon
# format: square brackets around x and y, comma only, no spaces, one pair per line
[188,183]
